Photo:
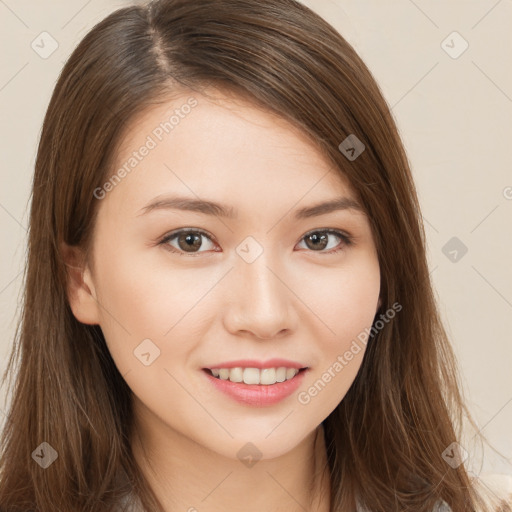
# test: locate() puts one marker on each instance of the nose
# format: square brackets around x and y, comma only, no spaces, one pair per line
[262,300]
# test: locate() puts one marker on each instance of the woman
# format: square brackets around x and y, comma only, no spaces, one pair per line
[227,302]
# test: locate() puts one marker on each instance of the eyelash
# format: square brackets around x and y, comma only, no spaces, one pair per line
[347,240]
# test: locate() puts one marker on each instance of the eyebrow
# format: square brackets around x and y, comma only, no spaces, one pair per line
[212,208]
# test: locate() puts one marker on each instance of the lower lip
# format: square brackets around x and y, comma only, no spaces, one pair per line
[257,395]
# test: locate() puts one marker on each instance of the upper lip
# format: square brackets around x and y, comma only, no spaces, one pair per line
[253,363]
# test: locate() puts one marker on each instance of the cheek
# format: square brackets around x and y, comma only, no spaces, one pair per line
[139,301]
[345,302]
[344,299]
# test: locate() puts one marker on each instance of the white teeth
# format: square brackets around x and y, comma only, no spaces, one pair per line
[281,374]
[251,376]
[266,376]
[290,372]
[224,374]
[236,374]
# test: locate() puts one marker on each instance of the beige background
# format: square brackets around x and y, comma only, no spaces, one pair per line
[455,117]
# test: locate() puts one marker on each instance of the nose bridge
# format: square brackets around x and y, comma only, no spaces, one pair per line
[260,280]
[262,299]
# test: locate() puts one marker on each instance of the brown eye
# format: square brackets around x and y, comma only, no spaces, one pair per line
[187,241]
[315,241]
[319,240]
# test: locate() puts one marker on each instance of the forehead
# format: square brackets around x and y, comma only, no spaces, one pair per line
[224,146]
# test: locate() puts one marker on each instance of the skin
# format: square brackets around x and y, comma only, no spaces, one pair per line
[294,301]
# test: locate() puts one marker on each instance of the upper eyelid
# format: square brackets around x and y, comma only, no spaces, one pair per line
[172,234]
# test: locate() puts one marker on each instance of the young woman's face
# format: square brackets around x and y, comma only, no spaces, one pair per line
[180,288]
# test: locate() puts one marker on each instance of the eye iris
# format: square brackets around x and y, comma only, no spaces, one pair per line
[192,241]
[318,241]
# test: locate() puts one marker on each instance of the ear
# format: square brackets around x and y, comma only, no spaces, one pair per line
[378,305]
[80,288]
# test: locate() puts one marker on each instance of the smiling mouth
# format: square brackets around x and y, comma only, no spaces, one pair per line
[255,376]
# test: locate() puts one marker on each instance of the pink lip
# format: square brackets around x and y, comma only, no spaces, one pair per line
[256,395]
[252,363]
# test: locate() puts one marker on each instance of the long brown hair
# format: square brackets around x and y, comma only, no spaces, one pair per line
[386,438]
